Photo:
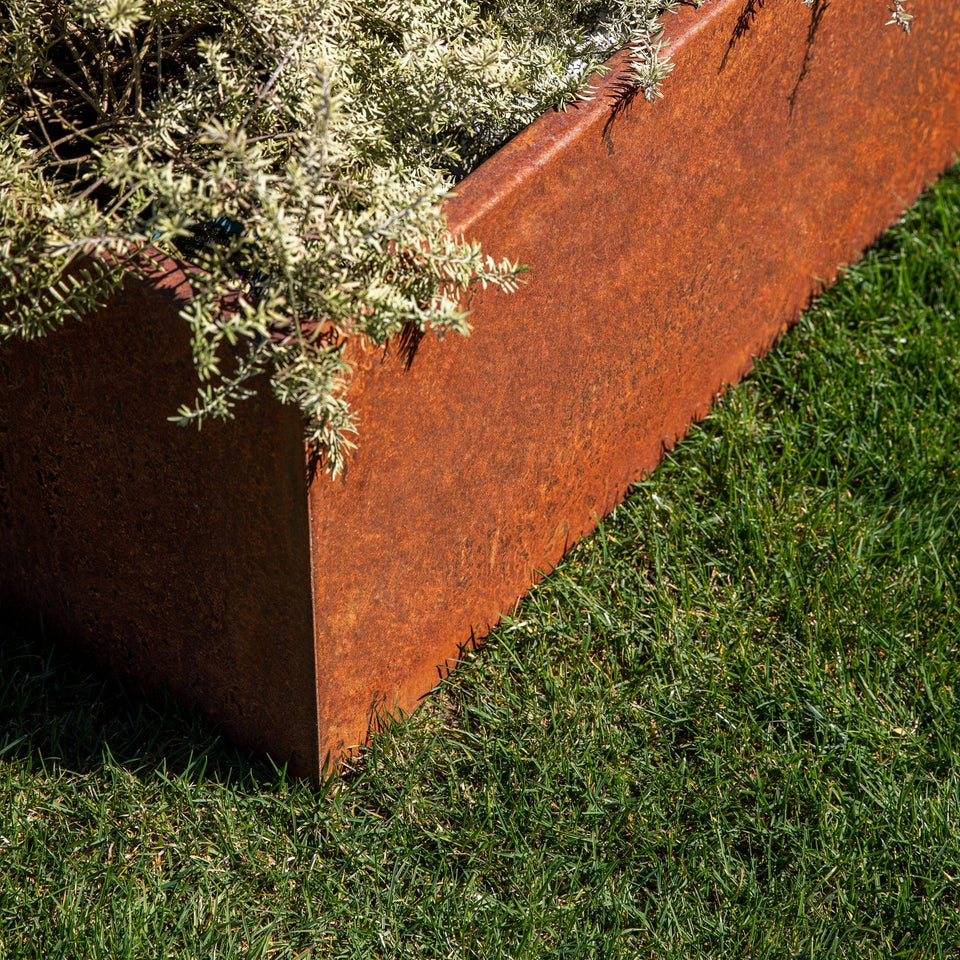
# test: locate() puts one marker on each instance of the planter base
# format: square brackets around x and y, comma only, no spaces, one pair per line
[669,244]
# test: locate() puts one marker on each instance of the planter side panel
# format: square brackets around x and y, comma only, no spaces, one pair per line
[172,556]
[669,244]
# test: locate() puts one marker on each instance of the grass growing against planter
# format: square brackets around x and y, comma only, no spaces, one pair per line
[726,726]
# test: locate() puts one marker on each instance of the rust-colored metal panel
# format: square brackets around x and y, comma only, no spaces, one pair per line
[170,555]
[669,244]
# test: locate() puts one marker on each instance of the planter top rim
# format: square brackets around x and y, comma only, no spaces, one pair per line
[555,131]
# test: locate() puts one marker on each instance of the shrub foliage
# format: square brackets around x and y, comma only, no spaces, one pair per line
[294,153]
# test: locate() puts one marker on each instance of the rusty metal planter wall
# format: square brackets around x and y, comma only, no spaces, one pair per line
[669,244]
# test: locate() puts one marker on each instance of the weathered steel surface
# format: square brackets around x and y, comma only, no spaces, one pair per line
[169,555]
[669,244]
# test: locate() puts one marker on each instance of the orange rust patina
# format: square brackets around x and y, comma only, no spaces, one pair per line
[668,245]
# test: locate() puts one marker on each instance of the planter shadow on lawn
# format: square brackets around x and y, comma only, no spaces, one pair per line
[60,716]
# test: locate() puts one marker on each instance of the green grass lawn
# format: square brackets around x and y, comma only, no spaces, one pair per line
[727,726]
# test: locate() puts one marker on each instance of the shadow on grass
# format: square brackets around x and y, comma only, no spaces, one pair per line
[58,713]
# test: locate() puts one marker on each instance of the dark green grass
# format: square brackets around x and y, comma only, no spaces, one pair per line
[727,725]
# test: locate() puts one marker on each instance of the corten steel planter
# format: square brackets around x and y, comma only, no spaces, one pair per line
[669,244]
